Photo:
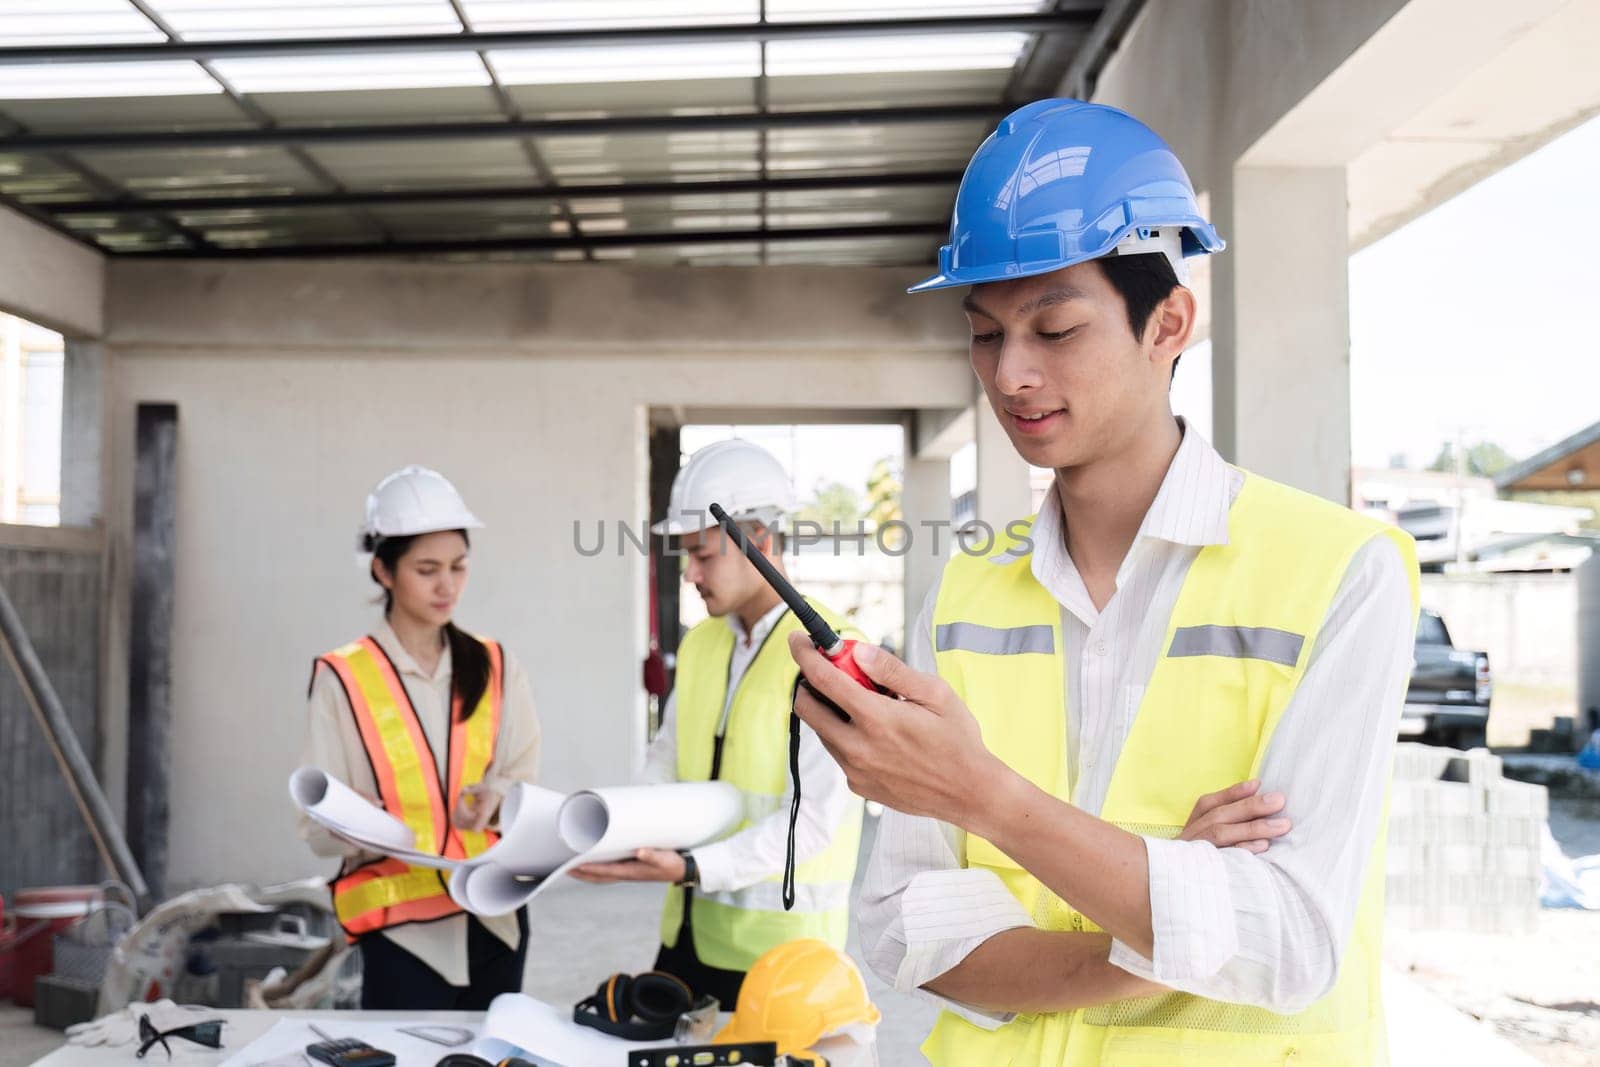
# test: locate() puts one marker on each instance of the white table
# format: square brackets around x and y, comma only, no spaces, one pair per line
[244,1027]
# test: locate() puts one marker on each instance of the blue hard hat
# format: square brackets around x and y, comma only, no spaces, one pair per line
[1060,182]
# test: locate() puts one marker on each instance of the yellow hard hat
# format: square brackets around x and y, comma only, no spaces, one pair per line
[797,994]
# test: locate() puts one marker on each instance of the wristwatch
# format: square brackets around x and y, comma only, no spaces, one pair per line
[691,869]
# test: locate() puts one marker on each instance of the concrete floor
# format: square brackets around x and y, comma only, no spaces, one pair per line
[1539,991]
[574,944]
[21,1042]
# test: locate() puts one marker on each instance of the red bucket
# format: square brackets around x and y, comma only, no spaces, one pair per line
[40,915]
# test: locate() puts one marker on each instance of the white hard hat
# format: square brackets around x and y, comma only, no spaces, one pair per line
[746,479]
[413,500]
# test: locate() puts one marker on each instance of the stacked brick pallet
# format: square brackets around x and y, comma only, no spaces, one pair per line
[1463,843]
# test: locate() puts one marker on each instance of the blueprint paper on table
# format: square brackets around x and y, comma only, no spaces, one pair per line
[550,1035]
[544,833]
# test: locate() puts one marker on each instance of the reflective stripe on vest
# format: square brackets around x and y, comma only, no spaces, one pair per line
[1238,642]
[472,750]
[732,929]
[1235,648]
[388,892]
[994,640]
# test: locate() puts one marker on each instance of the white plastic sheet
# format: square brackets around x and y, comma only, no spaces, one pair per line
[1567,883]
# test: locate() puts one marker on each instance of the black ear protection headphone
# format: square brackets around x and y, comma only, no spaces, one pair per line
[655,999]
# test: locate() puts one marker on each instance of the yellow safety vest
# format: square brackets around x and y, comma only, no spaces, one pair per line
[389,892]
[732,929]
[1237,645]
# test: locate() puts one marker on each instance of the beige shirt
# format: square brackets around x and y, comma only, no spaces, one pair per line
[333,744]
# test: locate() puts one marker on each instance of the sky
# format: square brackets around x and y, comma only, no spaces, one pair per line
[1475,317]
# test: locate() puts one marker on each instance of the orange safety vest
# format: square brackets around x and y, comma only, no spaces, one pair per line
[388,892]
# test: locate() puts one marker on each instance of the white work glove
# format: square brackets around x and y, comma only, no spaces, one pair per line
[122,1027]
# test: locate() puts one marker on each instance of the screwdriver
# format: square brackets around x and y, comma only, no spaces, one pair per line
[839,651]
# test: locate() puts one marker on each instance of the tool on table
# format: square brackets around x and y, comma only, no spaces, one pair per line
[508,1056]
[839,651]
[696,1025]
[349,1052]
[748,1054]
[448,1036]
[207,1033]
[467,1059]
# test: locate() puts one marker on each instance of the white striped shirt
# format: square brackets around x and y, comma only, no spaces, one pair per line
[1229,925]
[758,851]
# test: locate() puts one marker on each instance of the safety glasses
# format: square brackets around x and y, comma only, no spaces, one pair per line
[208,1033]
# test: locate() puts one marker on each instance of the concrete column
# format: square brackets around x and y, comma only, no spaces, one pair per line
[1281,356]
[1003,491]
[10,419]
[83,409]
[925,505]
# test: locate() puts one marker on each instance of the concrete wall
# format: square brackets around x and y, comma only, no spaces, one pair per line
[299,385]
[1526,622]
[50,279]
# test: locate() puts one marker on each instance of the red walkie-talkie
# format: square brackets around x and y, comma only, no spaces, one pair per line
[839,651]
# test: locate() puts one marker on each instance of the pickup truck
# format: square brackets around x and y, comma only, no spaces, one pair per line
[1448,701]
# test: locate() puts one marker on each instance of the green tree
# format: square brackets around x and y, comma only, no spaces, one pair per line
[830,503]
[883,492]
[1484,459]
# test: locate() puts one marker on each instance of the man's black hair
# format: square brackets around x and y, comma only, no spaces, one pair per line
[1143,281]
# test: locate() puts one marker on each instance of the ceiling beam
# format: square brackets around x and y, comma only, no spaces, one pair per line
[1081,14]
[556,243]
[359,133]
[1079,79]
[341,199]
[1038,70]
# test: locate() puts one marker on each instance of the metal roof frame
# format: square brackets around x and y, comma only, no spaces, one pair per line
[1064,32]
[587,191]
[355,133]
[586,242]
[1080,15]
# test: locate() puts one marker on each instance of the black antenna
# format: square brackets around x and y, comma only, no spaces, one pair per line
[822,635]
